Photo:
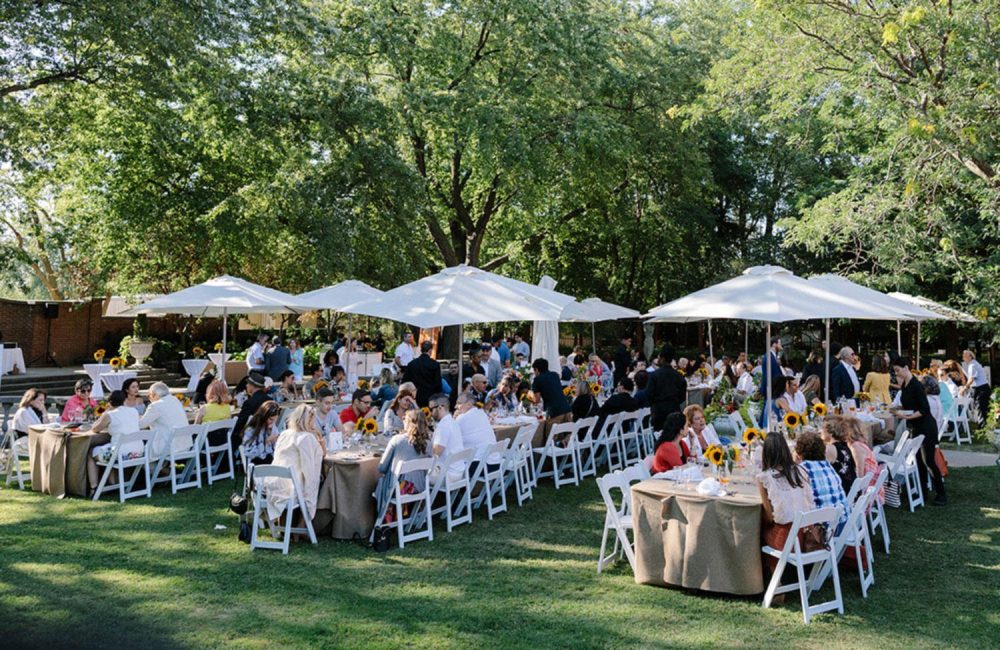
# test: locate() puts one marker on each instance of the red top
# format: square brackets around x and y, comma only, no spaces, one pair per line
[668,456]
[348,415]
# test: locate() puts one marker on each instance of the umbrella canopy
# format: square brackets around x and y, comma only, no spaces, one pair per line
[219,297]
[461,295]
[338,296]
[861,293]
[116,306]
[595,310]
[770,294]
[545,334]
[943,311]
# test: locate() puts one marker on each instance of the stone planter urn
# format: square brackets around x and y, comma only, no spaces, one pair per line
[140,350]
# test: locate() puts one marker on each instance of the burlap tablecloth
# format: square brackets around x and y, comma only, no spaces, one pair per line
[346,505]
[509,431]
[59,460]
[707,543]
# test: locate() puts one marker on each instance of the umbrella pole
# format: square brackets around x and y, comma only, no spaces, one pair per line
[225,328]
[461,356]
[770,379]
[826,365]
[593,336]
[899,338]
[746,337]
[711,351]
[347,362]
[918,346]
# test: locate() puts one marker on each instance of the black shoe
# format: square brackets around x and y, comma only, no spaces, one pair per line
[941,500]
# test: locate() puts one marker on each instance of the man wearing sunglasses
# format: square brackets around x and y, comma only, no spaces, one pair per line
[360,408]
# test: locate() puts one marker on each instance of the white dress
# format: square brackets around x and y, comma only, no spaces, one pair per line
[124,419]
[786,500]
[796,402]
[300,452]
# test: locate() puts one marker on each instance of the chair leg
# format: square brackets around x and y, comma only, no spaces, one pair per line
[775,583]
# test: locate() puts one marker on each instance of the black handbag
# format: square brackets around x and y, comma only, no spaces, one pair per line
[381,539]
[238,504]
[244,535]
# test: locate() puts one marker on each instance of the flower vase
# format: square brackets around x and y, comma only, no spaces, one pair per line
[725,471]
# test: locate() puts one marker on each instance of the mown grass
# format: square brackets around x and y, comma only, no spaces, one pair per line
[154,574]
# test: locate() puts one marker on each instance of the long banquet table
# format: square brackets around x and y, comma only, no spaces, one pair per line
[59,459]
[687,540]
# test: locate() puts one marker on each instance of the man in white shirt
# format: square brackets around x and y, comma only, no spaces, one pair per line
[255,355]
[744,381]
[404,351]
[327,419]
[473,423]
[447,434]
[521,347]
[977,383]
[164,414]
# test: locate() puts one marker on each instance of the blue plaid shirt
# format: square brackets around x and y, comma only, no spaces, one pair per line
[827,490]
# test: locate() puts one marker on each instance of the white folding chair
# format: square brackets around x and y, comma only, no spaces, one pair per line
[793,554]
[520,461]
[419,527]
[604,440]
[616,519]
[959,419]
[896,457]
[296,502]
[909,475]
[858,488]
[456,487]
[854,535]
[629,438]
[876,514]
[121,444]
[648,436]
[189,455]
[585,446]
[560,458]
[489,478]
[636,472]
[17,450]
[221,451]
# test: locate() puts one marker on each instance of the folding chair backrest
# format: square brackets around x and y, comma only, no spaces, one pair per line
[608,429]
[220,425]
[401,467]
[586,425]
[607,484]
[561,430]
[196,431]
[827,517]
[634,473]
[914,449]
[268,471]
[858,487]
[883,476]
[629,422]
[525,435]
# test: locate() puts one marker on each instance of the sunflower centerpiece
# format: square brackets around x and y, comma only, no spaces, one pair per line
[198,352]
[723,458]
[99,355]
[819,411]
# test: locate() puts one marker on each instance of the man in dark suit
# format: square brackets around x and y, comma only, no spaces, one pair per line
[843,378]
[425,373]
[622,357]
[666,390]
[276,361]
[770,366]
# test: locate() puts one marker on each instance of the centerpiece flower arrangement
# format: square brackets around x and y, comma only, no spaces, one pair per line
[95,410]
[218,347]
[723,457]
[363,384]
[568,391]
[368,427]
[99,355]
[703,372]
[198,352]
[318,386]
[723,401]
[793,420]
[862,397]
[595,388]
[117,363]
[752,436]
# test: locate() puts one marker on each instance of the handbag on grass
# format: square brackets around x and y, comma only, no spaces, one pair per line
[892,497]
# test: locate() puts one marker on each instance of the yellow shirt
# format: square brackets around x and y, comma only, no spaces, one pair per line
[877,385]
[216,412]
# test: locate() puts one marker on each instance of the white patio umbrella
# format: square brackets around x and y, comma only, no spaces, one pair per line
[595,310]
[545,333]
[335,298]
[461,295]
[770,294]
[220,296]
[861,293]
[944,311]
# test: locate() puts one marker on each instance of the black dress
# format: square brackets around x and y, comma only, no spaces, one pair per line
[844,466]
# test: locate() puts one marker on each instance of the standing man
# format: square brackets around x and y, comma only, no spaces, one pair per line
[977,384]
[491,361]
[520,346]
[770,367]
[666,390]
[921,423]
[547,388]
[255,355]
[425,373]
[843,378]
[503,350]
[623,357]
[277,360]
[404,351]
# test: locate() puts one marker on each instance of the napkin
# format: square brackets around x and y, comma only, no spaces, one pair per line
[681,474]
[709,487]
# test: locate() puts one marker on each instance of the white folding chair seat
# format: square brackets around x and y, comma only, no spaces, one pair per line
[456,486]
[417,524]
[489,478]
[604,440]
[560,458]
[630,438]
[793,554]
[519,460]
[190,456]
[282,535]
[958,418]
[876,514]
[221,451]
[585,446]
[16,449]
[119,462]
[617,520]
[908,474]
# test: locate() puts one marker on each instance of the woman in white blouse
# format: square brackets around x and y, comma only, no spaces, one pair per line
[117,421]
[697,435]
[792,400]
[784,492]
[30,412]
[301,449]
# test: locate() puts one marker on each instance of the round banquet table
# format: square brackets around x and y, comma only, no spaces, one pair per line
[687,540]
[59,459]
[194,368]
[346,505]
[114,380]
[94,371]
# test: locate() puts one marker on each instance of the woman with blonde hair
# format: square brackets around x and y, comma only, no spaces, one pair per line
[300,448]
[216,404]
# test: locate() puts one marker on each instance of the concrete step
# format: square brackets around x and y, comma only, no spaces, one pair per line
[59,382]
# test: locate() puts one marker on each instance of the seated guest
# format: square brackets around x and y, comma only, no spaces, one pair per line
[933,391]
[477,387]
[621,401]
[877,381]
[240,393]
[565,371]
[837,438]
[284,389]
[315,377]
[116,421]
[864,457]
[255,396]
[641,379]
[30,412]
[473,423]
[338,380]
[668,453]
[300,448]
[77,405]
[201,390]
[411,444]
[810,389]
[404,402]
[360,408]
[132,397]
[791,399]
[387,388]
[216,406]
[824,481]
[261,433]
[164,414]
[327,420]
[503,397]
[785,491]
[584,403]
[744,379]
[330,361]
[447,434]
[698,435]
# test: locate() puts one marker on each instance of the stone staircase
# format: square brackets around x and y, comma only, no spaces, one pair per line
[58,382]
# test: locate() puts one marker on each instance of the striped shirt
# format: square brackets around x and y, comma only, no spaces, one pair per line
[826,487]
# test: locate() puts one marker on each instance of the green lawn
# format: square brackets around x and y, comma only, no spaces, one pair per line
[154,573]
